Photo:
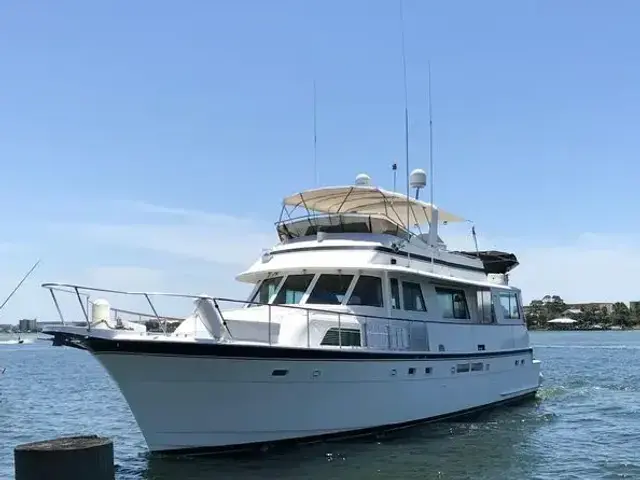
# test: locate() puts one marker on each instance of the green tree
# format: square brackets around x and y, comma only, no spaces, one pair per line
[536,314]
[556,307]
[634,313]
[621,315]
[592,315]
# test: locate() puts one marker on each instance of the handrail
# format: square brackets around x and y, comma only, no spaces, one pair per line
[391,333]
[61,286]
[71,288]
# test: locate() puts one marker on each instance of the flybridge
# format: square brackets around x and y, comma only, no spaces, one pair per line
[366,199]
[362,208]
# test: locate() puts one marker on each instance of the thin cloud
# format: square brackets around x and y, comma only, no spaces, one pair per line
[207,251]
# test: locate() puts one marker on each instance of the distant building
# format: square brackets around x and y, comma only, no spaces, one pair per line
[562,323]
[42,325]
[28,325]
[608,306]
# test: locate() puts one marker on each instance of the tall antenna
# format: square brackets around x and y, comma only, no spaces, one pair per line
[315,138]
[430,141]
[406,114]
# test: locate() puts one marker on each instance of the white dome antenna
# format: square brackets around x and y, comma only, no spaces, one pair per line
[418,180]
[363,179]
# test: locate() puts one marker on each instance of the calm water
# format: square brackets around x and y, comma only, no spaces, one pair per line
[585,424]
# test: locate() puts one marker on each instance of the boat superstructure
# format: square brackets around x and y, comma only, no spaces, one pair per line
[356,322]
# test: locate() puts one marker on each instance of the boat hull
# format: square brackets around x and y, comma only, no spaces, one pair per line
[234,398]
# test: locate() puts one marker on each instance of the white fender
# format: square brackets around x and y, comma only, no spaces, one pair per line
[210,318]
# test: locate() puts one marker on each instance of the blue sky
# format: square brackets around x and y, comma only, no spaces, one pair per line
[120,121]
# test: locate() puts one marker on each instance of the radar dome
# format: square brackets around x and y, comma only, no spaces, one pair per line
[418,178]
[363,179]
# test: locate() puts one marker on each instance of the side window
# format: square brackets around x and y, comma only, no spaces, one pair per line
[485,307]
[509,304]
[453,303]
[330,289]
[293,289]
[367,292]
[412,296]
[395,293]
[266,290]
[346,337]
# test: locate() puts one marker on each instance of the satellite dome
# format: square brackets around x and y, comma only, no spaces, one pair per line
[418,178]
[363,179]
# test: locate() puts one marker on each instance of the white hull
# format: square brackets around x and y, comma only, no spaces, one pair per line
[191,403]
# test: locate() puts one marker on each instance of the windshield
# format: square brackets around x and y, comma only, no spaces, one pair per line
[266,290]
[293,289]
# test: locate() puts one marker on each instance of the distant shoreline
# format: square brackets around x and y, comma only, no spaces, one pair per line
[536,329]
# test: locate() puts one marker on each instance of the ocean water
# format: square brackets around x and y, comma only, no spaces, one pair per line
[585,423]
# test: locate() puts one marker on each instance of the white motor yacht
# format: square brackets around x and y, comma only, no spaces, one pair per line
[357,322]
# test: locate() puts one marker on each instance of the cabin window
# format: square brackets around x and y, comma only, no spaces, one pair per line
[266,290]
[346,337]
[367,292]
[462,368]
[485,307]
[395,293]
[452,303]
[293,289]
[330,289]
[412,296]
[510,306]
[477,367]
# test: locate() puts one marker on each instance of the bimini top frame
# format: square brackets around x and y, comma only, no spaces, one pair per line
[365,199]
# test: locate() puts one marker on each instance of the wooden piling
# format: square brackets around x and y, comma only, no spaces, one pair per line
[66,458]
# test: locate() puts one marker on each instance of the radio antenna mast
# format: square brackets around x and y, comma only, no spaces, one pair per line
[406,114]
[315,137]
[430,141]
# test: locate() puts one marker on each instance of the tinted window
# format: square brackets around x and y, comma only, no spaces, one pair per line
[266,290]
[346,337]
[368,291]
[395,293]
[330,289]
[412,296]
[510,307]
[293,289]
[452,303]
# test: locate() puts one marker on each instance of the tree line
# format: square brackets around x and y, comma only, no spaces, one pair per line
[538,313]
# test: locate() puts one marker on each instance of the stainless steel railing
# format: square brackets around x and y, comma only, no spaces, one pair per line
[394,333]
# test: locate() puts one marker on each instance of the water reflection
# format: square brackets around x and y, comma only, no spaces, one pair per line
[487,443]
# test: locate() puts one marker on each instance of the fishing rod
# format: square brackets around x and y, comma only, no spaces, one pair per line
[18,286]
